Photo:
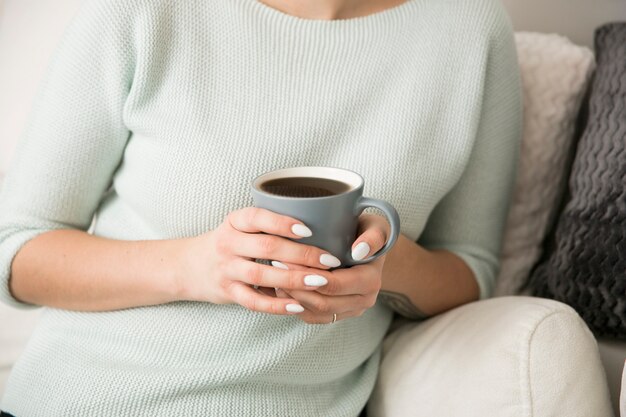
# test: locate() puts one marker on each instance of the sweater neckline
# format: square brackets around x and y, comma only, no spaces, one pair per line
[381,18]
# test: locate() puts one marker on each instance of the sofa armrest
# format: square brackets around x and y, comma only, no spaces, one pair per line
[507,356]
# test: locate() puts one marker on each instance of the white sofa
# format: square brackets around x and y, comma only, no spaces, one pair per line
[500,351]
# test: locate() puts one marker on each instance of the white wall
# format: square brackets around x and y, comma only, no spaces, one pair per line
[29,30]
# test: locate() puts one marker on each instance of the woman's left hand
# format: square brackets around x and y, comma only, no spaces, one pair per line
[350,291]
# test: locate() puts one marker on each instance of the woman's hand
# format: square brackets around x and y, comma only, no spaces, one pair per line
[350,291]
[219,266]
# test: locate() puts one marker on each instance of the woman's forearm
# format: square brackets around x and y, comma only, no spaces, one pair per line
[418,282]
[74,270]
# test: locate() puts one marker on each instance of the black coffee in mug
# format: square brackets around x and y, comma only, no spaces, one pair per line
[304,187]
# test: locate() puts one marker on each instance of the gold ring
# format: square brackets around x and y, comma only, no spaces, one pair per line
[334,318]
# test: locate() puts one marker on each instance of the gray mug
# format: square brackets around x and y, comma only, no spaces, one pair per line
[333,219]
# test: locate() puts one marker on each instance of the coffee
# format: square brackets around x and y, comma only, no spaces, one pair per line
[304,187]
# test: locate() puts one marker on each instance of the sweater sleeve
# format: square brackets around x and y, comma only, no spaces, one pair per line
[469,220]
[75,135]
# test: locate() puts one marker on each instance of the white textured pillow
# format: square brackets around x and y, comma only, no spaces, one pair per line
[555,74]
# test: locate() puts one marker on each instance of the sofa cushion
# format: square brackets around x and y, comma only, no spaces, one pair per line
[555,75]
[586,264]
[505,357]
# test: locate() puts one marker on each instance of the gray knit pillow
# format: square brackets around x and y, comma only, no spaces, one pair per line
[586,264]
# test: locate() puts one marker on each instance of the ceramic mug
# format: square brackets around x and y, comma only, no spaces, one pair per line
[333,219]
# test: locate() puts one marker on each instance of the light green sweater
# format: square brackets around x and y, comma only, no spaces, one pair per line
[156,115]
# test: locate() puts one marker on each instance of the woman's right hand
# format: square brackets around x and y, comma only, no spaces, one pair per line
[219,266]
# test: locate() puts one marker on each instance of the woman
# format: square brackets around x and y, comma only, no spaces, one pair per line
[156,115]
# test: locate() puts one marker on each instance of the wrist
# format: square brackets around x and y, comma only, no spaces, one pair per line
[178,283]
[191,278]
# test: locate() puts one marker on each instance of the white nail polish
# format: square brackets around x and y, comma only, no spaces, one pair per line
[294,308]
[315,280]
[301,230]
[329,260]
[279,265]
[360,251]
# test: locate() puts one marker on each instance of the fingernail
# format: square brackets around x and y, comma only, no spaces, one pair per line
[301,230]
[315,280]
[279,265]
[329,260]
[360,251]
[294,308]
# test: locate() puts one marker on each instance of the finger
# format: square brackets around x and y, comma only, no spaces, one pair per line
[263,246]
[282,293]
[256,301]
[355,280]
[327,319]
[289,266]
[372,239]
[320,304]
[311,317]
[255,220]
[358,279]
[254,273]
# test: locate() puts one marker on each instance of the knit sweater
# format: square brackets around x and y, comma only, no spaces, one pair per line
[155,116]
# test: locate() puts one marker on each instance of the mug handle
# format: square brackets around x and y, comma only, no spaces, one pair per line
[393,219]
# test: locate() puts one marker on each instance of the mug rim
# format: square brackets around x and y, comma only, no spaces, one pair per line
[356,184]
